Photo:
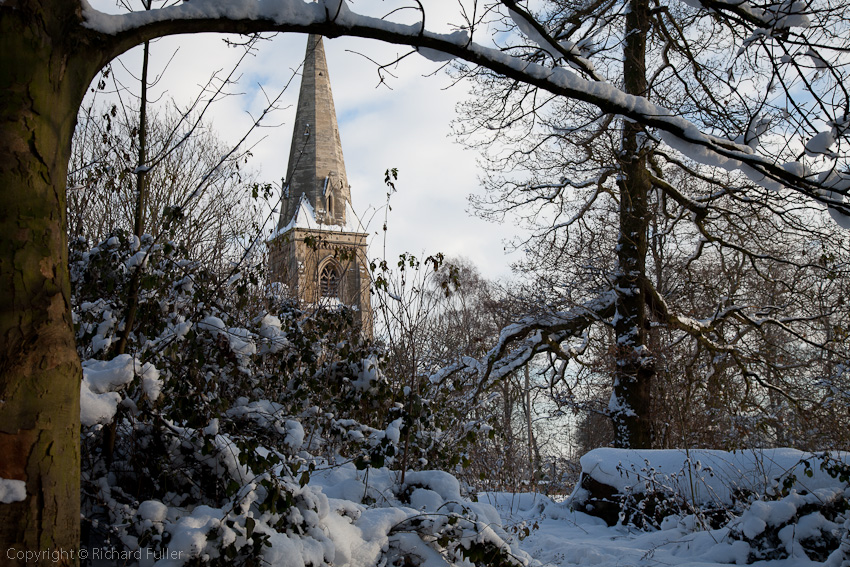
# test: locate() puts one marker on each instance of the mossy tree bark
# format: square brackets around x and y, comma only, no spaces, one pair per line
[44,73]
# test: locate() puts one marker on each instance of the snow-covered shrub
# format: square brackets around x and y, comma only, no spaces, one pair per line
[795,525]
[794,521]
[642,488]
[203,436]
[780,502]
[462,531]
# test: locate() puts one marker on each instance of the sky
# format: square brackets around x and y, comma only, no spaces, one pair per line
[404,124]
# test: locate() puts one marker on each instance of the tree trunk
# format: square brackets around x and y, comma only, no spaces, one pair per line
[635,367]
[42,83]
[533,451]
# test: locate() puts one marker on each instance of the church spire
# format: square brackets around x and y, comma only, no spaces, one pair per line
[316,168]
[320,251]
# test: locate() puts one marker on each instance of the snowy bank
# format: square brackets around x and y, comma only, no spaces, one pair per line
[620,484]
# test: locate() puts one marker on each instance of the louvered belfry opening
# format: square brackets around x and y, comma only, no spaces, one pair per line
[329,281]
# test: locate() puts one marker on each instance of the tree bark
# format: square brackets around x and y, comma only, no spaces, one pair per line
[635,367]
[44,73]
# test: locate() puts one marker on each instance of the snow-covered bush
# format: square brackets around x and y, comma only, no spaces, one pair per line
[779,502]
[209,434]
[798,519]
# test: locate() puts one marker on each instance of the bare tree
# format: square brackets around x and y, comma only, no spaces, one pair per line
[573,172]
[214,228]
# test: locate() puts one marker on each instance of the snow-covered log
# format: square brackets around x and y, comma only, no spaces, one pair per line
[643,487]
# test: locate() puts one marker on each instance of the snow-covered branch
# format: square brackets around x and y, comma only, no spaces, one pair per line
[519,342]
[334,18]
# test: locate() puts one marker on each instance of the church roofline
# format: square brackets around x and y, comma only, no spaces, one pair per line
[305,218]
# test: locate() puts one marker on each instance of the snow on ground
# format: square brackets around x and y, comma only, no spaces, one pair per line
[367,514]
[559,536]
[555,534]
[544,532]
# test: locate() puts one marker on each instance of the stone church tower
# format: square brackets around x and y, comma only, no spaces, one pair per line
[319,248]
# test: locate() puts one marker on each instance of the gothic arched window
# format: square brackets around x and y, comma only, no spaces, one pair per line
[329,281]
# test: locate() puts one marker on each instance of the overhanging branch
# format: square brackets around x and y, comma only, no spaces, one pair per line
[120,33]
[534,334]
